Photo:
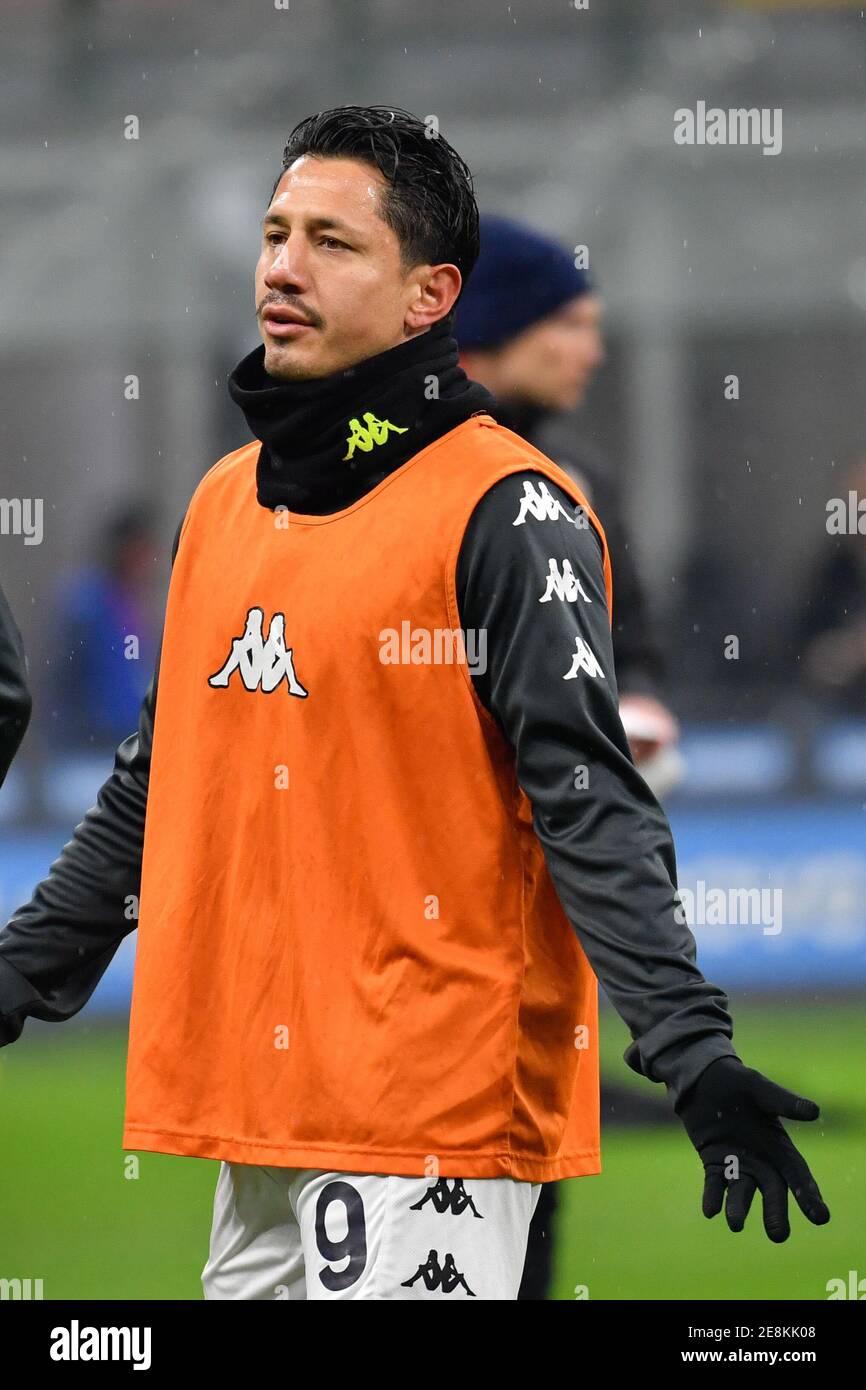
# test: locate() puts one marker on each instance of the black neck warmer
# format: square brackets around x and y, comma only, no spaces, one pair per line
[306,426]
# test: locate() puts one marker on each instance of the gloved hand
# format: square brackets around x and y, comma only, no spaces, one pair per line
[731,1116]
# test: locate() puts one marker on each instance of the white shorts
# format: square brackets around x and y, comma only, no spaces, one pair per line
[291,1233]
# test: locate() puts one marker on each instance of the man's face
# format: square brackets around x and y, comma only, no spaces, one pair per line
[328,257]
[553,362]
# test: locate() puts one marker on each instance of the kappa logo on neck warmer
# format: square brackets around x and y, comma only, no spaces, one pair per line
[327,441]
[371,433]
[262,664]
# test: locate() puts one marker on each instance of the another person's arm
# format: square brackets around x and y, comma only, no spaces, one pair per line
[15,702]
[55,948]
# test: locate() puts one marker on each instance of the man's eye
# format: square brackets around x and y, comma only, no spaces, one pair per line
[272,237]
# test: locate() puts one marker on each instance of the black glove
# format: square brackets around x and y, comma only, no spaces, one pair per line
[731,1113]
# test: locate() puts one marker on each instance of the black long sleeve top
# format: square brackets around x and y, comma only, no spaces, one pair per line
[606,841]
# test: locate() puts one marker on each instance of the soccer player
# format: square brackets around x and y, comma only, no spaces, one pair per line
[378,890]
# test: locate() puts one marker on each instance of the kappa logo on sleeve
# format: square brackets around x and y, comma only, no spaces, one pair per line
[584,659]
[565,584]
[539,501]
[262,664]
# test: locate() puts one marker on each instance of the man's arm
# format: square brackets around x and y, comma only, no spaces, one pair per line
[606,840]
[55,949]
[609,850]
[640,662]
[15,702]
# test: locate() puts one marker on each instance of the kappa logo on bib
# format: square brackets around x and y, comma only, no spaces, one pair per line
[262,664]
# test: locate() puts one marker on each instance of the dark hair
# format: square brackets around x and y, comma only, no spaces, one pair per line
[430,202]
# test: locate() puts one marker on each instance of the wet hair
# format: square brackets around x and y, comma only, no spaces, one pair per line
[430,199]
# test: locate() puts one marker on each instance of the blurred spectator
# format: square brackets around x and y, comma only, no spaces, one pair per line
[830,634]
[106,636]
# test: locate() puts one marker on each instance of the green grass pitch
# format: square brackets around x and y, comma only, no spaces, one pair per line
[70,1215]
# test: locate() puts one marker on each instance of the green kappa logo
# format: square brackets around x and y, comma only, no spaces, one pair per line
[372,432]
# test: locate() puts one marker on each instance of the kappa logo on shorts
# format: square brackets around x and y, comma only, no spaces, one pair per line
[262,664]
[455,1199]
[446,1276]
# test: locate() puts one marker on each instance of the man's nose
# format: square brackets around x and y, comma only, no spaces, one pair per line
[289,268]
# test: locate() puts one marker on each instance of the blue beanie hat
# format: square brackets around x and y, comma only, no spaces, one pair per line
[520,277]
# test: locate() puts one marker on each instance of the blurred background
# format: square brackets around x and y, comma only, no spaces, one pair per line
[126,274]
